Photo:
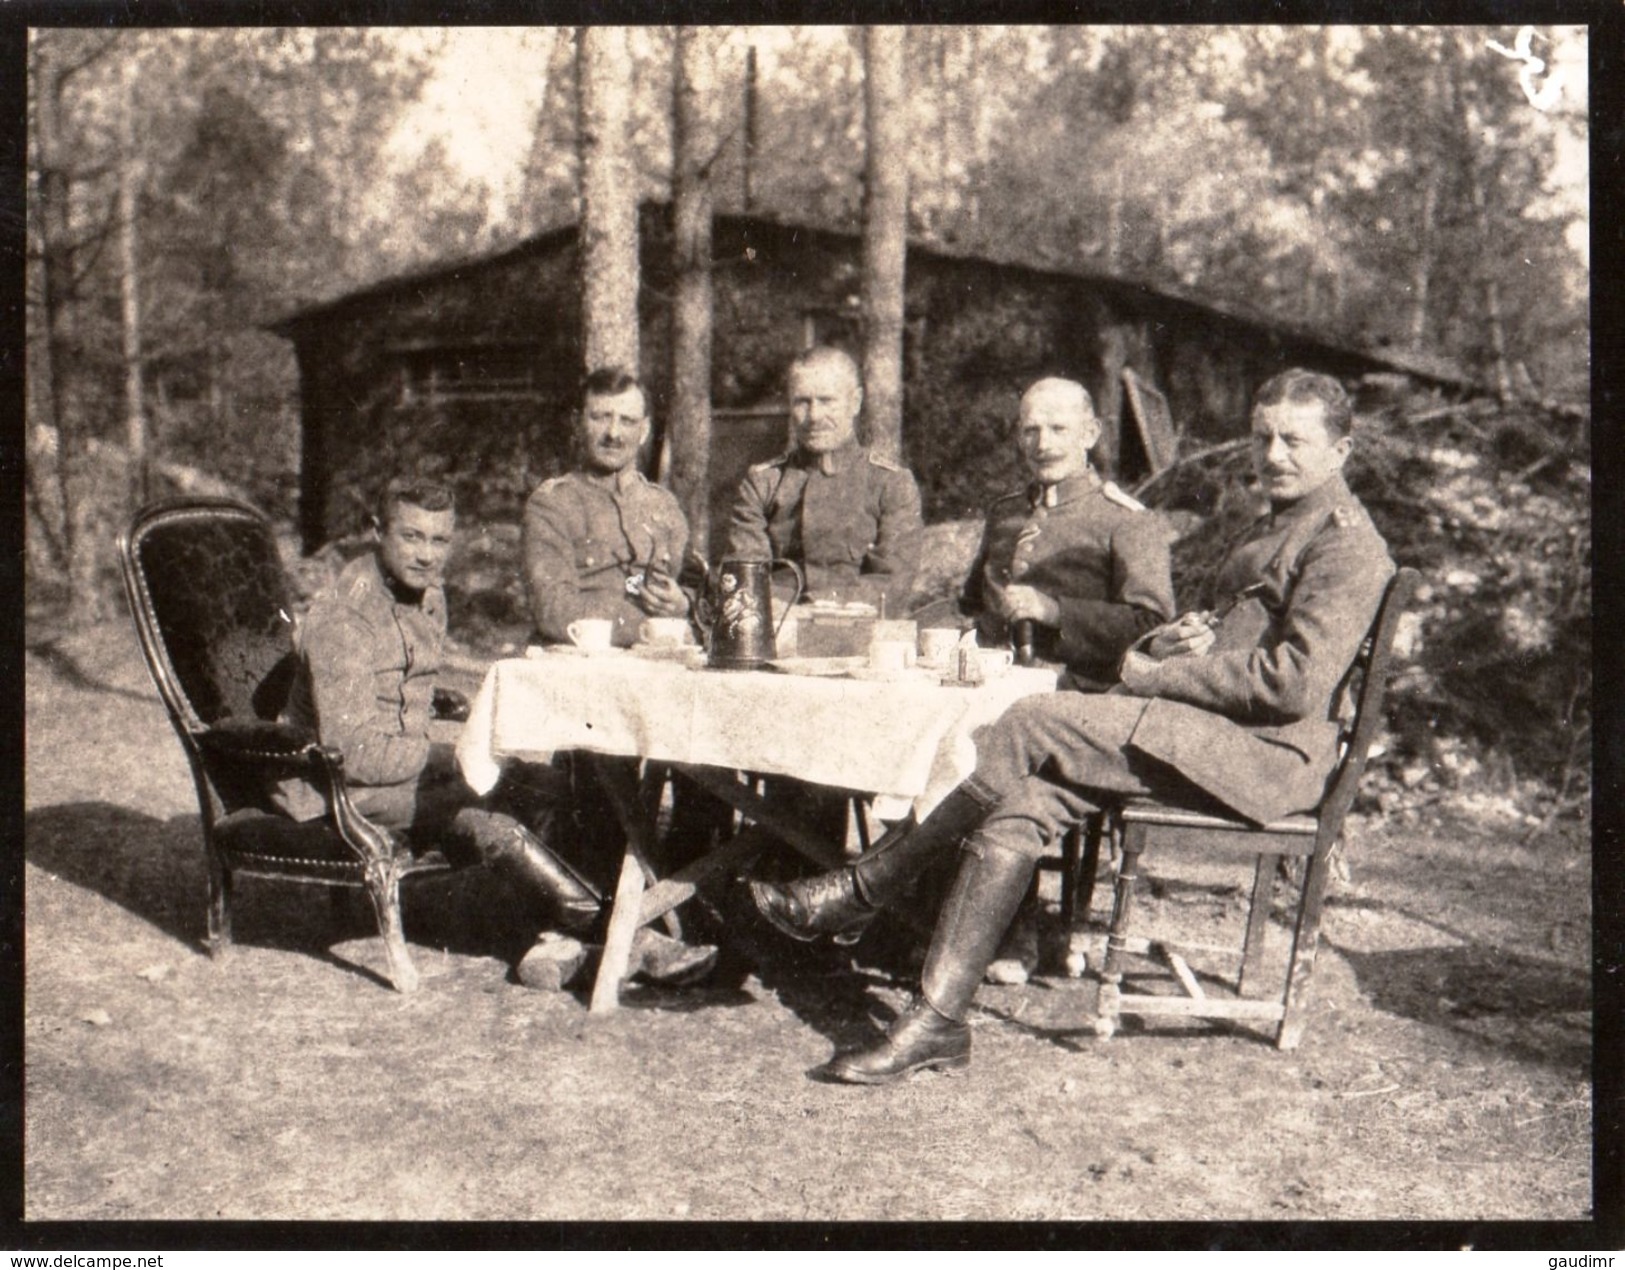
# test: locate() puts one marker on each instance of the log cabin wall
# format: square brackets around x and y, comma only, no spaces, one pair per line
[470,371]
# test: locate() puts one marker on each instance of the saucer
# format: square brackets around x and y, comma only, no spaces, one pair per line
[570,650]
[907,674]
[691,654]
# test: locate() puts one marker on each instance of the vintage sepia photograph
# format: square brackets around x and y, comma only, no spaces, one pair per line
[830,623]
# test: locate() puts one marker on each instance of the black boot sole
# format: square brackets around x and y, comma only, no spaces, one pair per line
[847,1076]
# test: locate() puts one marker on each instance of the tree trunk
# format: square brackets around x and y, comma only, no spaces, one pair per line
[1422,271]
[694,133]
[86,603]
[885,233]
[129,189]
[609,208]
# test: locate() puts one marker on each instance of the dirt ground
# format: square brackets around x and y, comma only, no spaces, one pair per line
[1445,1073]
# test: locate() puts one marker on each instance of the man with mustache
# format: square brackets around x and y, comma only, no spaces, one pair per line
[1070,556]
[603,541]
[1071,570]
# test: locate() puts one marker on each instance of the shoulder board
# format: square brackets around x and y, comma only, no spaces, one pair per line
[1343,517]
[879,461]
[1015,494]
[778,460]
[553,483]
[1115,495]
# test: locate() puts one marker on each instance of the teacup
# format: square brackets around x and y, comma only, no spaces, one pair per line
[665,632]
[592,634]
[891,654]
[937,644]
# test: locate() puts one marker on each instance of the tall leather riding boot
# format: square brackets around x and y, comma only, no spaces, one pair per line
[932,1031]
[846,899]
[518,854]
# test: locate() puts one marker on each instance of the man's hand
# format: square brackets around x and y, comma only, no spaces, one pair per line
[660,596]
[1191,635]
[1019,603]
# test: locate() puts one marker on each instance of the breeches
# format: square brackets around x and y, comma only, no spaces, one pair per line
[436,809]
[1050,761]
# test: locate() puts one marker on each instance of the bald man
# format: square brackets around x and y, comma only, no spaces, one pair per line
[849,518]
[1082,561]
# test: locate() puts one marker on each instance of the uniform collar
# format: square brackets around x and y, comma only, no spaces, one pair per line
[391,589]
[1328,493]
[832,461]
[1073,487]
[612,482]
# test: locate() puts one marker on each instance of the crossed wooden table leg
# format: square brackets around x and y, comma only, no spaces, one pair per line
[640,897]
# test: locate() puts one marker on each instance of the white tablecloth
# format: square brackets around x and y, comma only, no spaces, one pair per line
[909,743]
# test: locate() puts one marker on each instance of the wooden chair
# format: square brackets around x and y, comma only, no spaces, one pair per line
[1143,824]
[213,612]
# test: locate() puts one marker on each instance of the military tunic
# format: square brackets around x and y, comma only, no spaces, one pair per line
[584,536]
[1255,722]
[370,658]
[850,519]
[1096,552]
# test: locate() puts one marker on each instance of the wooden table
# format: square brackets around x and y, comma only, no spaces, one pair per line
[906,742]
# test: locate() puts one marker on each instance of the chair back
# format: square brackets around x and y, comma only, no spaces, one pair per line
[212,609]
[1370,672]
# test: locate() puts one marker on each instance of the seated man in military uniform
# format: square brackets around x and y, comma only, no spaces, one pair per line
[603,541]
[1242,703]
[371,652]
[1071,563]
[1070,570]
[848,517]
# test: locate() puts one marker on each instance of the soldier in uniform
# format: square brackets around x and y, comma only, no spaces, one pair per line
[371,650]
[849,518]
[1242,703]
[1070,570]
[603,541]
[1071,555]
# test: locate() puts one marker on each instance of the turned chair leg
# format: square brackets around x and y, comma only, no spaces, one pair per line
[1111,970]
[383,889]
[219,936]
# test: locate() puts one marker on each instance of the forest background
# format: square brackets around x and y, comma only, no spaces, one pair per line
[1416,189]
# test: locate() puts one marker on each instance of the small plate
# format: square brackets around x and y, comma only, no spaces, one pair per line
[823,667]
[909,674]
[691,654]
[570,650]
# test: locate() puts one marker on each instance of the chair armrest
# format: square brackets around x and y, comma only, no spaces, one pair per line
[258,740]
[289,749]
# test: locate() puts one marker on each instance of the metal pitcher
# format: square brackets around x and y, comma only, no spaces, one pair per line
[740,612]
